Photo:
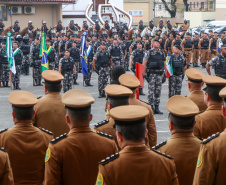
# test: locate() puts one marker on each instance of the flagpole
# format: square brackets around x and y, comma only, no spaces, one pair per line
[83,80]
[10,74]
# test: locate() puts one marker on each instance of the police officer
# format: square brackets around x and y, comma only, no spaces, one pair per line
[4,66]
[123,50]
[195,55]
[137,57]
[25,48]
[179,65]
[56,47]
[44,28]
[30,28]
[168,43]
[213,45]
[117,27]
[36,62]
[62,46]
[169,26]
[162,42]
[58,27]
[106,26]
[160,26]
[154,66]
[72,27]
[127,55]
[2,26]
[89,62]
[204,49]
[115,52]
[85,27]
[18,57]
[67,68]
[134,44]
[52,56]
[75,54]
[68,44]
[221,40]
[219,63]
[184,27]
[140,26]
[177,40]
[187,46]
[16,27]
[151,25]
[96,28]
[19,39]
[103,58]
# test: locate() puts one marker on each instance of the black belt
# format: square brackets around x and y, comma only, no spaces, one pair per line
[156,72]
[204,48]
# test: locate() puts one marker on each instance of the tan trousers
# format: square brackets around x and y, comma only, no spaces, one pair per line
[204,55]
[195,56]
[188,54]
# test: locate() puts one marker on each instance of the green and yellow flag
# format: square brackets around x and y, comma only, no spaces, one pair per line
[43,53]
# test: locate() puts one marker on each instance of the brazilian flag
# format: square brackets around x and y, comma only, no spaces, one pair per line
[43,53]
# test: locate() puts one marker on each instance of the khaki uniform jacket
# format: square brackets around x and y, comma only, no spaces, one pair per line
[138,165]
[209,122]
[6,175]
[26,146]
[211,162]
[150,121]
[184,148]
[50,114]
[198,98]
[74,159]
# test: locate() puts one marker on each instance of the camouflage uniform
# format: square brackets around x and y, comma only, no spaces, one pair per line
[18,62]
[67,70]
[103,58]
[90,68]
[75,54]
[175,81]
[69,44]
[52,58]
[116,54]
[4,68]
[126,64]
[123,48]
[25,48]
[56,47]
[155,69]
[134,44]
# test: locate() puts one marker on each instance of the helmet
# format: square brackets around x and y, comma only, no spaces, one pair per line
[12,39]
[16,21]
[29,22]
[19,38]
[117,22]
[84,21]
[5,38]
[185,21]
[106,20]
[59,21]
[16,42]
[168,20]
[72,21]
[161,20]
[44,22]
[140,21]
[151,20]
[25,38]
[97,21]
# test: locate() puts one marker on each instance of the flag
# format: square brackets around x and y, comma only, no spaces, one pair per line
[219,46]
[169,66]
[83,55]
[10,13]
[9,53]
[88,51]
[43,53]
[139,75]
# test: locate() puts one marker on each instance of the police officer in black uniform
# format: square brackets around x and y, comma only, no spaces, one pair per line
[154,67]
[169,26]
[25,48]
[4,66]
[30,28]
[52,56]
[2,26]
[68,44]
[103,58]
[44,28]
[72,27]
[90,65]
[218,63]
[19,39]
[106,26]
[16,27]
[58,27]
[151,25]
[75,54]
[140,26]
[127,43]
[117,27]
[85,27]
[97,28]
[115,52]
[134,44]
[213,45]
[62,46]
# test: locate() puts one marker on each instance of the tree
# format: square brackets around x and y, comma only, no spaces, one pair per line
[172,9]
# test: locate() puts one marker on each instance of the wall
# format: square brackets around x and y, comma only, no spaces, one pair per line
[197,18]
[220,10]
[42,12]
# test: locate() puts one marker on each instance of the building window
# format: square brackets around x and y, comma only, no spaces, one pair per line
[202,5]
[211,4]
[197,4]
[3,13]
[194,4]
[160,7]
[190,5]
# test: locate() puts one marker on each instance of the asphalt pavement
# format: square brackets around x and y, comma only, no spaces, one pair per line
[98,112]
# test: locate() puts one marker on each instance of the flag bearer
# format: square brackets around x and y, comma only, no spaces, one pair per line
[4,66]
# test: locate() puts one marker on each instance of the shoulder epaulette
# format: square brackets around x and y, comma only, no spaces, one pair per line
[210,138]
[160,153]
[144,102]
[200,138]
[109,159]
[101,123]
[3,149]
[44,130]
[104,135]
[3,130]
[39,97]
[159,145]
[57,139]
[200,112]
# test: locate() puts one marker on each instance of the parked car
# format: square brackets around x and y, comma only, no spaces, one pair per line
[219,30]
[216,24]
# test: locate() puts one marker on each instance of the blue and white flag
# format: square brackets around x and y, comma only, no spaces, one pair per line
[10,13]
[219,46]
[88,51]
[83,55]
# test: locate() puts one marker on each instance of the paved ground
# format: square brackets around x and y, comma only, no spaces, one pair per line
[98,107]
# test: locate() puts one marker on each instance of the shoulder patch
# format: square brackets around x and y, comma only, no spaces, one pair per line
[46,131]
[210,138]
[200,138]
[101,123]
[57,139]
[159,145]
[104,135]
[3,149]
[109,159]
[3,130]
[163,154]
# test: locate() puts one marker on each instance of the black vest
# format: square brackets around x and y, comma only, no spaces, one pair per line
[4,59]
[178,64]
[75,54]
[220,68]
[196,43]
[107,26]
[156,60]
[67,64]
[162,43]
[115,51]
[188,44]
[16,28]
[103,59]
[205,43]
[214,43]
[138,57]
[59,28]
[25,48]
[51,56]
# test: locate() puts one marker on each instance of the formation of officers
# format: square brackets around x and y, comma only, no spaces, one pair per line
[122,149]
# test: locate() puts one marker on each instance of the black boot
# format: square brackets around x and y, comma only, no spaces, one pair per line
[17,86]
[90,84]
[6,84]
[36,82]
[153,109]
[103,94]
[188,66]
[76,83]
[141,91]
[3,83]
[40,82]
[14,86]
[157,111]
[203,65]
[86,84]
[100,94]
[194,65]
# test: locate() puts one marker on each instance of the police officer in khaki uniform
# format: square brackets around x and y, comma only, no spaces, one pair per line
[135,164]
[211,121]
[195,56]
[204,49]
[132,82]
[195,84]
[25,144]
[187,47]
[212,157]
[118,95]
[6,175]
[50,111]
[183,146]
[184,27]
[73,158]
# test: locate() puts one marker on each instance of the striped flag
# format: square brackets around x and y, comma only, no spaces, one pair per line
[9,53]
[83,55]
[169,66]
[43,53]
[219,46]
